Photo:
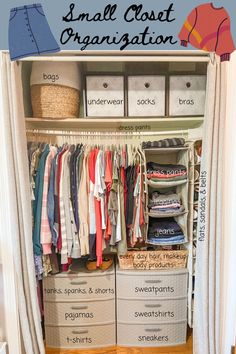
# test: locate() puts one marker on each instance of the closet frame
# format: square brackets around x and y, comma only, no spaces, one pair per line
[158,128]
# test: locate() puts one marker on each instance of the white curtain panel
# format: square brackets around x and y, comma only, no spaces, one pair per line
[228,265]
[208,287]
[13,132]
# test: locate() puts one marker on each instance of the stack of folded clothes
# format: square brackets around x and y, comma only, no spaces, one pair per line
[165,231]
[164,143]
[165,203]
[168,173]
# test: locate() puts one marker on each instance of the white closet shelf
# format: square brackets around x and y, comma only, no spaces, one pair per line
[166,184]
[165,123]
[165,215]
[161,151]
[127,56]
[166,244]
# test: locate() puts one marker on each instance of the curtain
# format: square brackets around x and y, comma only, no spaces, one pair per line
[13,130]
[209,275]
[228,266]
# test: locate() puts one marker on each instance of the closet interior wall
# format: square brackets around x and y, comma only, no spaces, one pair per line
[131,130]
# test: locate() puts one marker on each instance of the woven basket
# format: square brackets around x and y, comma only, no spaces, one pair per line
[148,260]
[55,101]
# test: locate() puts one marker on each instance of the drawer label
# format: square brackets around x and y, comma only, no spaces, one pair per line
[153,338]
[154,289]
[146,101]
[79,340]
[184,102]
[154,314]
[72,316]
[101,102]
[79,291]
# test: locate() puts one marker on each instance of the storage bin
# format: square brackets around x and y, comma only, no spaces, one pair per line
[187,95]
[81,287]
[55,90]
[149,311]
[151,335]
[140,284]
[78,337]
[105,96]
[146,96]
[79,313]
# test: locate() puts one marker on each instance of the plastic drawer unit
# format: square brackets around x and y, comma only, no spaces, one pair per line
[80,309]
[155,304]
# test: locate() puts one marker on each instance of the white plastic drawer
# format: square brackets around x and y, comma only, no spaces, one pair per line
[152,335]
[70,287]
[187,95]
[149,311]
[80,313]
[151,284]
[81,337]
[146,95]
[105,96]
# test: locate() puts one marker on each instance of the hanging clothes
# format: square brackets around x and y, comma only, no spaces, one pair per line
[86,199]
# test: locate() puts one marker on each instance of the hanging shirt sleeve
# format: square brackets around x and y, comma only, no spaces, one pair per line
[187,28]
[225,44]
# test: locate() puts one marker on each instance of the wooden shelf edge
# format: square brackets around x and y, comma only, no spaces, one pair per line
[117,119]
[122,124]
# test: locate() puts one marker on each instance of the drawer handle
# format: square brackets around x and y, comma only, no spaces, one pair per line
[154,305]
[153,330]
[78,282]
[147,84]
[153,281]
[105,85]
[80,332]
[79,307]
[188,84]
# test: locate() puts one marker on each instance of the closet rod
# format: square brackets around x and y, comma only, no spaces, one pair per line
[107,134]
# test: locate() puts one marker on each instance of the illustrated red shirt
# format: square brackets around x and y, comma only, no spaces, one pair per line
[208,28]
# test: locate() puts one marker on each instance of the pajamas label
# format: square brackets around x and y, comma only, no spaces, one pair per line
[72,316]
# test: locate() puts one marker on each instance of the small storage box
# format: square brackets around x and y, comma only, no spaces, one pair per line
[151,335]
[79,337]
[138,284]
[55,90]
[79,313]
[146,96]
[105,96]
[149,311]
[187,95]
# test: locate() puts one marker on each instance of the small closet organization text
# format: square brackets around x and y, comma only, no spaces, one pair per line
[133,13]
[91,199]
